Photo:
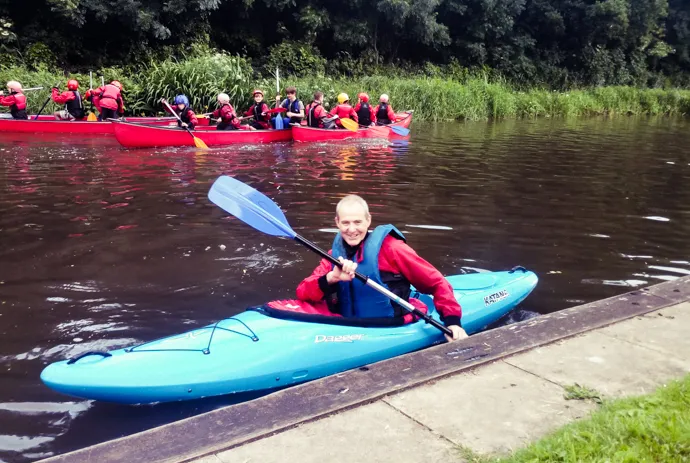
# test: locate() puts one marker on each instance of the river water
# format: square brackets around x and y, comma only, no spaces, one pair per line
[102,247]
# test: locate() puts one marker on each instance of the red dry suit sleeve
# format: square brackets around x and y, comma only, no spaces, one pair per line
[353,115]
[62,98]
[309,289]
[397,257]
[391,113]
[8,100]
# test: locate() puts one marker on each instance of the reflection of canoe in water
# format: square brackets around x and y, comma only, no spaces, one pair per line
[311,134]
[47,124]
[147,136]
[280,344]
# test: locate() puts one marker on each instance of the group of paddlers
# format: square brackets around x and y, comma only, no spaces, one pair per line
[108,100]
[290,110]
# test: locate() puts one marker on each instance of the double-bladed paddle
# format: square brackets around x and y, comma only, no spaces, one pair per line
[257,210]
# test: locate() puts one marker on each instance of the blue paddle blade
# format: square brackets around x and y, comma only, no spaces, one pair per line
[279,121]
[250,206]
[400,130]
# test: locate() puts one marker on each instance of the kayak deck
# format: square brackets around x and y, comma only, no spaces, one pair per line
[256,350]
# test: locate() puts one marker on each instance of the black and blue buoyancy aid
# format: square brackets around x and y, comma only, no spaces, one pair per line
[355,298]
[293,108]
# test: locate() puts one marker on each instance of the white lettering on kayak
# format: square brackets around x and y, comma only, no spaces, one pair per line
[495,297]
[343,338]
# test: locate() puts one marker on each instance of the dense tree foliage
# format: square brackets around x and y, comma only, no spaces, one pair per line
[554,42]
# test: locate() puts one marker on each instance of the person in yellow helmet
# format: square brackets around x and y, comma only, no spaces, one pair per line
[343,110]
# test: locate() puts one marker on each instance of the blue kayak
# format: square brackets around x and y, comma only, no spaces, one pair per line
[263,348]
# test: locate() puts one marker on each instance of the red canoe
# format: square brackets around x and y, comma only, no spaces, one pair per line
[147,136]
[310,134]
[47,124]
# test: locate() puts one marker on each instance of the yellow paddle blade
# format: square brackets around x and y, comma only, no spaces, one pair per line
[349,124]
[199,143]
[92,117]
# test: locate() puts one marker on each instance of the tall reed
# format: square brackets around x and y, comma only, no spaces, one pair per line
[477,97]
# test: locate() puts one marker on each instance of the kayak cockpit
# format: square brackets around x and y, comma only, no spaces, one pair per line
[309,312]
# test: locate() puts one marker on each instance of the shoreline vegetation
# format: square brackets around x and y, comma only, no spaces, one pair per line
[650,428]
[434,93]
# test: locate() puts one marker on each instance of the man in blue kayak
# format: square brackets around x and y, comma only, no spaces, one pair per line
[383,256]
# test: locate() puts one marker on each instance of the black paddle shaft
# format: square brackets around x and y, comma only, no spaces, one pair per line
[365,279]
[46,103]
[42,108]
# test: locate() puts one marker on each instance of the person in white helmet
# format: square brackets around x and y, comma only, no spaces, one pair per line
[226,114]
[384,111]
[16,100]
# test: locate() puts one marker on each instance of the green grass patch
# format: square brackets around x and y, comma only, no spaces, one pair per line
[650,428]
[578,392]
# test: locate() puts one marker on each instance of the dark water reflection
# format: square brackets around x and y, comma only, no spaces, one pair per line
[101,247]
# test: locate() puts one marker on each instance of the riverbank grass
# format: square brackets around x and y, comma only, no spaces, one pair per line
[474,98]
[649,428]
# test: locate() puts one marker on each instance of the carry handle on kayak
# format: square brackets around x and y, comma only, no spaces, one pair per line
[259,211]
[87,354]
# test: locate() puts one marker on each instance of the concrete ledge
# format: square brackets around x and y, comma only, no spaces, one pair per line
[239,424]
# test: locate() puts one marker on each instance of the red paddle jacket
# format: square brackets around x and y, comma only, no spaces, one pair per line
[13,99]
[344,111]
[186,114]
[265,120]
[395,256]
[227,115]
[107,96]
[317,119]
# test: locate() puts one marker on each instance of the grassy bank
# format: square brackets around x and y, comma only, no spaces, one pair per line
[650,428]
[433,99]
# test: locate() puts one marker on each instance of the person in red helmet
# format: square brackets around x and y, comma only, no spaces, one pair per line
[108,100]
[384,112]
[260,120]
[364,111]
[343,110]
[16,100]
[74,106]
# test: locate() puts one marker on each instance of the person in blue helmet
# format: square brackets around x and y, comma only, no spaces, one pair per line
[181,107]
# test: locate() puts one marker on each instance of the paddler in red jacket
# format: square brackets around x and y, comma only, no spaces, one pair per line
[15,100]
[226,114]
[343,110]
[396,267]
[188,119]
[317,116]
[364,111]
[261,120]
[384,111]
[108,100]
[74,107]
